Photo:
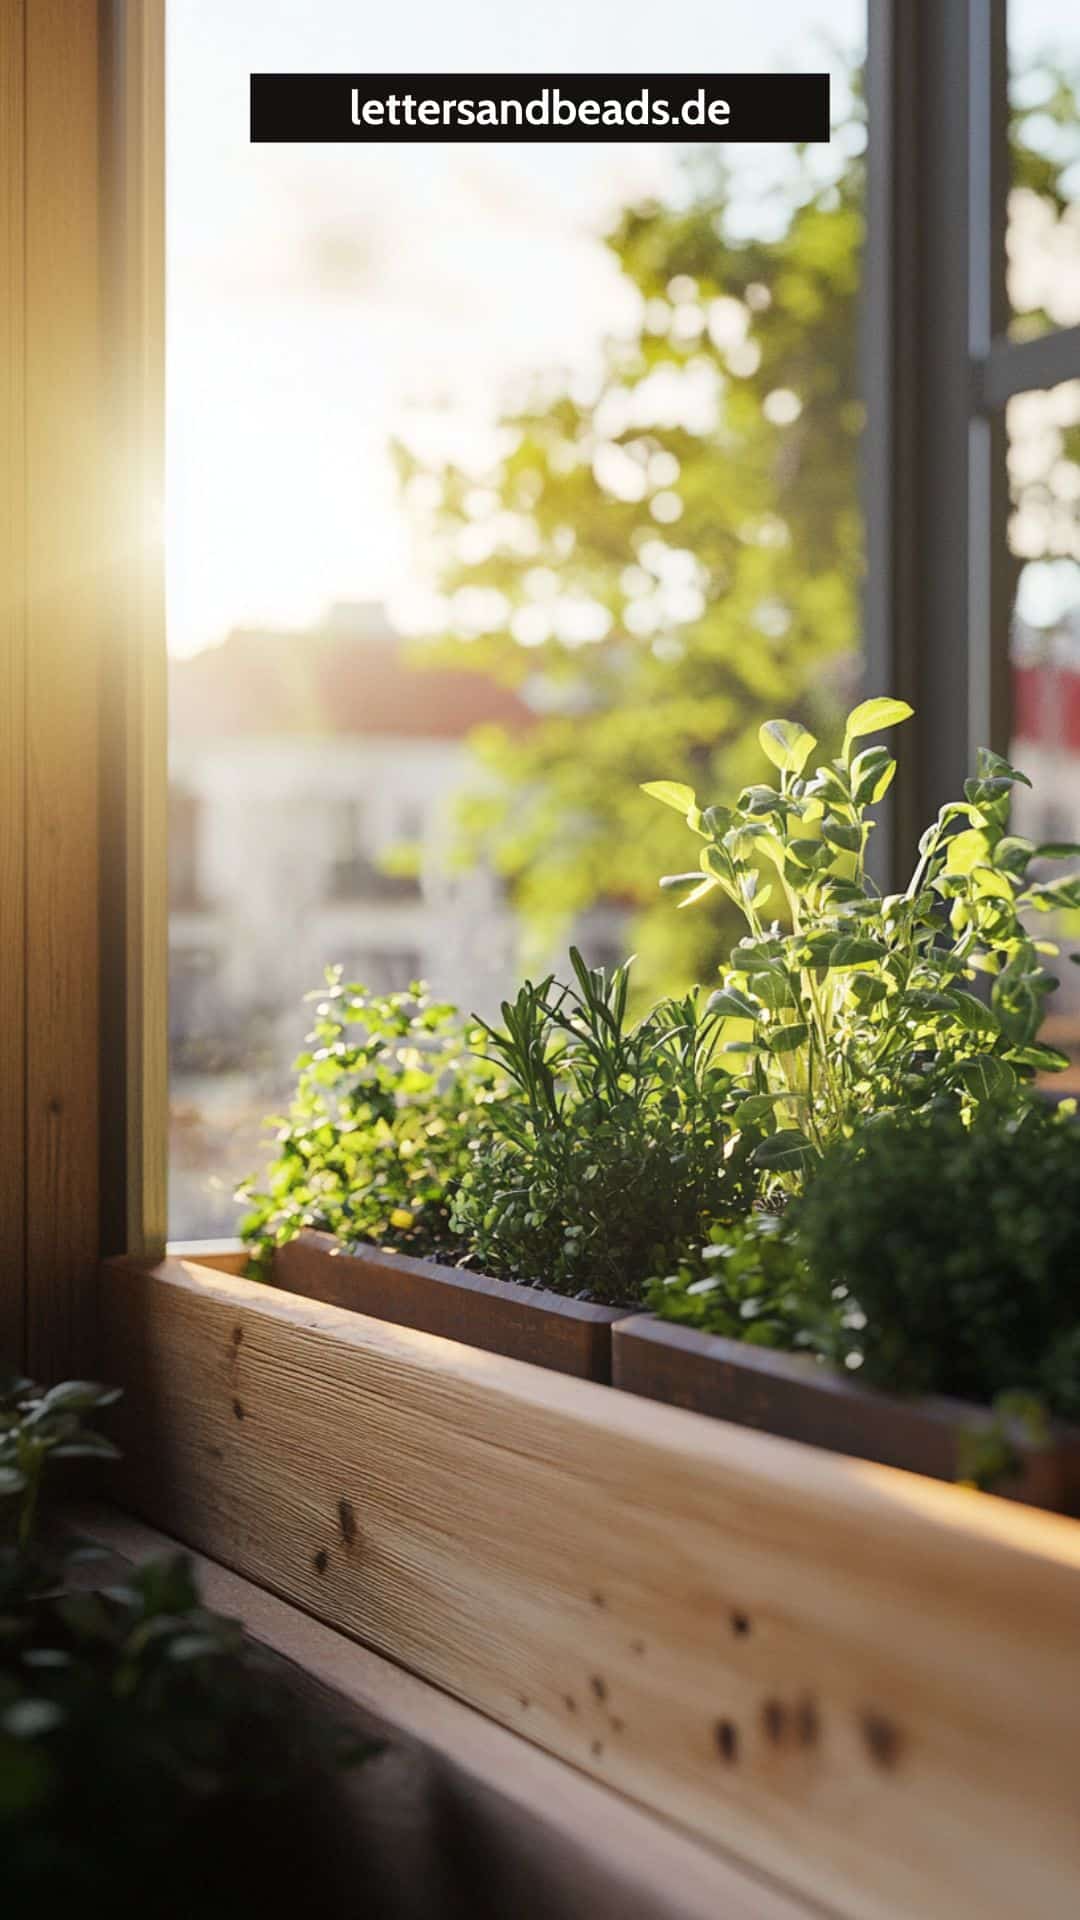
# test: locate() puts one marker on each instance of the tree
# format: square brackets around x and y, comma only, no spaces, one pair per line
[668,555]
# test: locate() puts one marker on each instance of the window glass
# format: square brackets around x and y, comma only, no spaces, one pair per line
[501,478]
[1044,540]
[1044,199]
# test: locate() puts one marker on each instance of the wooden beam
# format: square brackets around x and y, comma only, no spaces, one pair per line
[860,1683]
[65,550]
[135,1086]
[12,680]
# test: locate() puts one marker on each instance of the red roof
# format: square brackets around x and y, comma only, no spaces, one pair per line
[1046,705]
[351,675]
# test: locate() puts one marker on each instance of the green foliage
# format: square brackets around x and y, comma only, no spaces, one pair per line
[666,547]
[388,1098]
[854,1004]
[149,1756]
[37,1426]
[745,1283]
[613,1145]
[658,510]
[958,1245]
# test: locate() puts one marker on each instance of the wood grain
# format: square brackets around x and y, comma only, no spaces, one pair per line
[791,1395]
[862,1683]
[12,680]
[616,1858]
[521,1323]
[64,613]
[134,766]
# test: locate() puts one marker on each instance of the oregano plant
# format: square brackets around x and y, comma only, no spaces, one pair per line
[389,1094]
[840,1003]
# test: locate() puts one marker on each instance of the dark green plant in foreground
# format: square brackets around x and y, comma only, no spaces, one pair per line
[847,1003]
[388,1098]
[614,1145]
[36,1426]
[150,1759]
[958,1249]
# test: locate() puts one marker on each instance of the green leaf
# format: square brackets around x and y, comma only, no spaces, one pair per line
[773,989]
[866,989]
[701,892]
[1062,893]
[1044,1059]
[78,1396]
[988,884]
[966,851]
[843,834]
[985,1076]
[872,716]
[787,744]
[672,793]
[872,773]
[1056,850]
[788,1151]
[972,1014]
[786,1039]
[755,1108]
[844,950]
[990,768]
[732,1005]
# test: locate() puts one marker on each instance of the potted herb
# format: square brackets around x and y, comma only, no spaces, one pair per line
[852,1003]
[918,1305]
[563,1162]
[853,1007]
[391,1096]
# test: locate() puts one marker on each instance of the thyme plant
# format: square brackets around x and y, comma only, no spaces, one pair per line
[614,1144]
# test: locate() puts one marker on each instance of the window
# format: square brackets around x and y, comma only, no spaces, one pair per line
[954,389]
[1043,221]
[500,480]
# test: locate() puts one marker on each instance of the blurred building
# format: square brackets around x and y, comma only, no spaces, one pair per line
[303,767]
[1046,746]
[1046,727]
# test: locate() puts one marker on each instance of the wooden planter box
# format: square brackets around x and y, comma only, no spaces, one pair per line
[520,1323]
[858,1687]
[797,1398]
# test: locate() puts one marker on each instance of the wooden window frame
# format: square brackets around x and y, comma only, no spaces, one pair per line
[854,1690]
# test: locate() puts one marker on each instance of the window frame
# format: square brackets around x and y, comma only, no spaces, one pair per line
[939,370]
[633,1560]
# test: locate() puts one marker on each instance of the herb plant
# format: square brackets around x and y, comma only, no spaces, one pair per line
[613,1145]
[150,1757]
[956,1243]
[37,1426]
[388,1097]
[745,1282]
[848,1003]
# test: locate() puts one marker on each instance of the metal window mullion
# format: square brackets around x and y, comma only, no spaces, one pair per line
[991,571]
[937,594]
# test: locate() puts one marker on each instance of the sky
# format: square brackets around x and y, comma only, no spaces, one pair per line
[321,299]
